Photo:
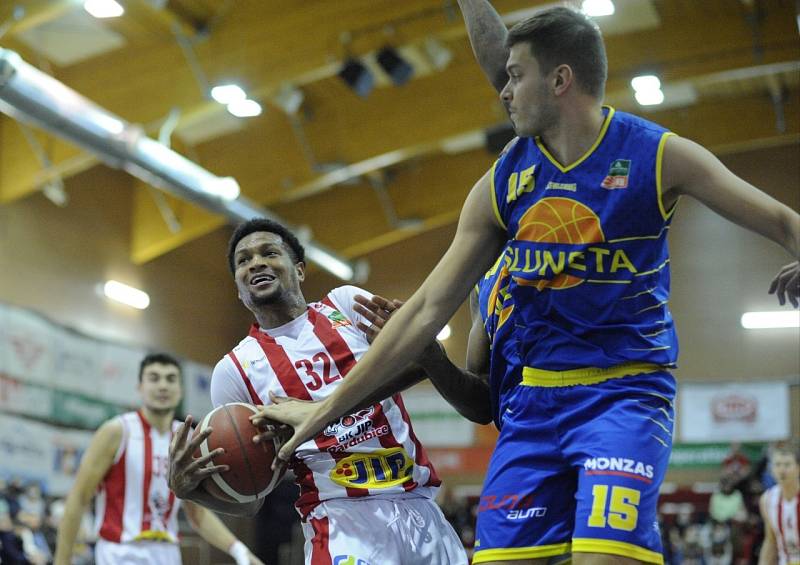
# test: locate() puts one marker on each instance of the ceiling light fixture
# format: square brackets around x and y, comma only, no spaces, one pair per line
[357,76]
[103,8]
[127,295]
[647,90]
[228,93]
[244,108]
[598,8]
[398,69]
[769,320]
[445,333]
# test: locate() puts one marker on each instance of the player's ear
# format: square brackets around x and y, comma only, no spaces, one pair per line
[562,76]
[300,267]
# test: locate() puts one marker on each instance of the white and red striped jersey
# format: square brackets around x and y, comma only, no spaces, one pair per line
[783,519]
[372,452]
[133,502]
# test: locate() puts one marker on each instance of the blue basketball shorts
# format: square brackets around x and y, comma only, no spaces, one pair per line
[577,467]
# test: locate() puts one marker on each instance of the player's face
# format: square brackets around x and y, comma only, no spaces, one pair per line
[161,387]
[785,467]
[265,271]
[526,95]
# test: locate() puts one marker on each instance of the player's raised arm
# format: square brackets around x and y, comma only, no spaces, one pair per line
[487,35]
[478,240]
[692,170]
[95,463]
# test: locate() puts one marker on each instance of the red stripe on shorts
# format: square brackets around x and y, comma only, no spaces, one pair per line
[320,554]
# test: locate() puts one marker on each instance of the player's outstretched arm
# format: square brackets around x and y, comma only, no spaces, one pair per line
[768,554]
[186,473]
[477,242]
[466,391]
[690,169]
[487,35]
[211,529]
[95,464]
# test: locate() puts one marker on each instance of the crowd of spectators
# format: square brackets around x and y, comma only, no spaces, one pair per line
[28,525]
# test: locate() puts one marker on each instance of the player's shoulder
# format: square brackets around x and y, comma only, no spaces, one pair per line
[342,296]
[633,123]
[111,432]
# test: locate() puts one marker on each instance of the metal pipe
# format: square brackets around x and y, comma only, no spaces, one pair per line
[31,96]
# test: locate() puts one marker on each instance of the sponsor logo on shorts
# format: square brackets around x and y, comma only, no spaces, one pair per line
[618,466]
[518,506]
[349,560]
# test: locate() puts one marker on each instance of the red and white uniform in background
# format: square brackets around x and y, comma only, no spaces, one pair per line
[367,464]
[783,517]
[134,503]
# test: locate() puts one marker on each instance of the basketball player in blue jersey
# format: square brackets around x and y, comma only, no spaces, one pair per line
[585,199]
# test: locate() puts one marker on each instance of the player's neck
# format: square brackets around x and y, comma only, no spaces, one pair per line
[790,488]
[162,421]
[575,133]
[276,315]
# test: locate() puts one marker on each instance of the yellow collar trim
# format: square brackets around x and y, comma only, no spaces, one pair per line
[586,155]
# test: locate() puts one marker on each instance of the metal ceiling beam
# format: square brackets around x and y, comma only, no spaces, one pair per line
[31,96]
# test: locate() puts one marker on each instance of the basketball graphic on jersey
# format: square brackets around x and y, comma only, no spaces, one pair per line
[558,220]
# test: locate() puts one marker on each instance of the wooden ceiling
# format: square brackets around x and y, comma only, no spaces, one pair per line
[353,168]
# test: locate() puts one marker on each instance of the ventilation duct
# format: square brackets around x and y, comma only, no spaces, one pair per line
[29,95]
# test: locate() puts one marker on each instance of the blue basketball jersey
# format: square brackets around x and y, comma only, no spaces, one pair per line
[496,308]
[587,258]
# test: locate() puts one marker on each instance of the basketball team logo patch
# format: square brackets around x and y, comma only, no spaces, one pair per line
[617,175]
[338,319]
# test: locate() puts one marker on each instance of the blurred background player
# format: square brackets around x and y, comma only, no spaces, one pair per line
[780,510]
[127,465]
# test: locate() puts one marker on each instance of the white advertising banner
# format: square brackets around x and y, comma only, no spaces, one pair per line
[33,451]
[435,422]
[40,360]
[757,411]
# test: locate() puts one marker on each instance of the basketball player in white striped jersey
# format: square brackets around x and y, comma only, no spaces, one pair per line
[780,510]
[366,484]
[126,465]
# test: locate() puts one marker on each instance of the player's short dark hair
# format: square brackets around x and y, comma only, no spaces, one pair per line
[163,358]
[263,224]
[561,35]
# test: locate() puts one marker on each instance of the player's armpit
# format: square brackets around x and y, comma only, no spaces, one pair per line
[690,169]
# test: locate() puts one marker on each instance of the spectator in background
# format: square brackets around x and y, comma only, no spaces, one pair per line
[727,503]
[10,543]
[736,465]
[34,544]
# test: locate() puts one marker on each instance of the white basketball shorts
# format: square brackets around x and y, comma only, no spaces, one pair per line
[381,531]
[136,553]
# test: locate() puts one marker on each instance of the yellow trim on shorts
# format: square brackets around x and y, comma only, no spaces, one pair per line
[659,189]
[495,207]
[584,376]
[589,545]
[155,535]
[487,555]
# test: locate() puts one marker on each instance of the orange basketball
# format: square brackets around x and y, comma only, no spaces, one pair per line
[249,476]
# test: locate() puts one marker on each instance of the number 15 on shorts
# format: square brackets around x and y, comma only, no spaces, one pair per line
[620,513]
